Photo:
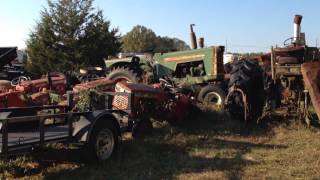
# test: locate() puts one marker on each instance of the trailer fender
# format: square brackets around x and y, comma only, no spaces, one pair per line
[85,125]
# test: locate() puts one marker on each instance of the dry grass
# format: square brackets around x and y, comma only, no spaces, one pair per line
[209,147]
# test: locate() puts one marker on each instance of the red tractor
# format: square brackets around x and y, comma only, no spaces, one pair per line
[160,101]
[32,93]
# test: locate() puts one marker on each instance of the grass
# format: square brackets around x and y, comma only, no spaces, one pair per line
[211,146]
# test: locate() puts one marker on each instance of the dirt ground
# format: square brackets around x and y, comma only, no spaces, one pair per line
[211,146]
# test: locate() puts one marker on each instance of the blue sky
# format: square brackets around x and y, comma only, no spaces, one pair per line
[247,25]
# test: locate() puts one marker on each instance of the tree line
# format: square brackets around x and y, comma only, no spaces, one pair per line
[72,34]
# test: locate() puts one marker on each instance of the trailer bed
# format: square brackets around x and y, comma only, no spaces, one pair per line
[32,137]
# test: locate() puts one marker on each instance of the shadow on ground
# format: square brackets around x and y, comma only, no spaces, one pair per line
[196,146]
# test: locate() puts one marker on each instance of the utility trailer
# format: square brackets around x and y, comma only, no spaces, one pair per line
[97,130]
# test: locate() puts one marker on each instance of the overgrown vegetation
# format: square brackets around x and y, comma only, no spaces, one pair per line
[209,147]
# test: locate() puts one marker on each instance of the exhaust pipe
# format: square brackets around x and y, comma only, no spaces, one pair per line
[201,42]
[193,37]
[297,28]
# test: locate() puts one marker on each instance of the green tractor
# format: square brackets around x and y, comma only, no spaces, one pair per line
[198,72]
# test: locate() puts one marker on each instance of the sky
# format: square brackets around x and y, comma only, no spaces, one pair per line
[241,25]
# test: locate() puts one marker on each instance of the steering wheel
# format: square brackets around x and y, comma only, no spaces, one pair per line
[286,43]
[17,80]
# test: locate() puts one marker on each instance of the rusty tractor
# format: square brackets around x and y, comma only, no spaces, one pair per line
[287,81]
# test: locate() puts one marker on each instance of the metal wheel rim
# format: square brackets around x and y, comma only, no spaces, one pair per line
[213,96]
[104,144]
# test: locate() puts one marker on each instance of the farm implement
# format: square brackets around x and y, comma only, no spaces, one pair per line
[111,109]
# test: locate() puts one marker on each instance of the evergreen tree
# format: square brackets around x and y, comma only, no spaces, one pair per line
[70,35]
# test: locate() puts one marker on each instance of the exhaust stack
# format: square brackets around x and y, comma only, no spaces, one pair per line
[201,42]
[297,28]
[193,37]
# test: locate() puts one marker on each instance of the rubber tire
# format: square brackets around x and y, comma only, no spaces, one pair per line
[118,73]
[211,88]
[93,138]
[247,75]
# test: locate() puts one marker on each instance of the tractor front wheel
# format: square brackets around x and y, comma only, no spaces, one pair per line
[212,95]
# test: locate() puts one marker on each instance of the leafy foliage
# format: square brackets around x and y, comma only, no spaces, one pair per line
[142,39]
[70,35]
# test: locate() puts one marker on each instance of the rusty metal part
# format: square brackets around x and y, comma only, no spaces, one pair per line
[311,77]
[193,37]
[244,100]
[201,42]
[297,19]
[297,29]
[103,84]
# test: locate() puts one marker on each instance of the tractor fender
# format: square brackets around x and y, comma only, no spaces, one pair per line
[84,127]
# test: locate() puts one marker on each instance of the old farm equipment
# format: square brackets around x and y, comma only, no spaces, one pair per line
[198,72]
[48,90]
[97,130]
[294,73]
[128,107]
[294,70]
[245,99]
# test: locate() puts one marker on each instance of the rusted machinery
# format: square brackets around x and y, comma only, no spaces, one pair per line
[283,83]
[291,67]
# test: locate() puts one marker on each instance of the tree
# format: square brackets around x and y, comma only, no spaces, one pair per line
[166,44]
[69,35]
[142,39]
[139,39]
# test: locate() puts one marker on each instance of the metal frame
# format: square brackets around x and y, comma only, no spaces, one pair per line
[5,149]
[244,100]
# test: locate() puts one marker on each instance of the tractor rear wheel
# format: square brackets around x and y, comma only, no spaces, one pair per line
[247,76]
[123,74]
[212,95]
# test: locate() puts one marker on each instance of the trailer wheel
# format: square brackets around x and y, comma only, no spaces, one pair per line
[104,141]
[212,95]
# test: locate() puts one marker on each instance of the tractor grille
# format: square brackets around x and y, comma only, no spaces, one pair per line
[120,102]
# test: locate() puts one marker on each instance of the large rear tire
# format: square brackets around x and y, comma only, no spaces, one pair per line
[123,74]
[247,76]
